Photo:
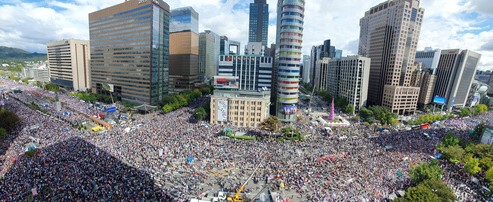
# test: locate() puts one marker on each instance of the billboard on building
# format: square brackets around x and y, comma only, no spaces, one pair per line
[439,100]
[289,109]
[226,82]
[222,110]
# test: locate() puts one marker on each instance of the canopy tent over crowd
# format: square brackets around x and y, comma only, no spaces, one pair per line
[145,108]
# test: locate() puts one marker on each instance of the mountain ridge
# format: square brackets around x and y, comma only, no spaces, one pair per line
[16,53]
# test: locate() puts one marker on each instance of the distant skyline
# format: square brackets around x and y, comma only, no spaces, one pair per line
[466,24]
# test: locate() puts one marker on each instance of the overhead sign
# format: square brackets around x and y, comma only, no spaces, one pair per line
[222,110]
[439,100]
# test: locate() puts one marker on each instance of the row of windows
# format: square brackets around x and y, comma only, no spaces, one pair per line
[112,17]
[288,71]
[291,14]
[291,34]
[286,7]
[125,20]
[291,21]
[290,46]
[261,59]
[291,40]
[290,59]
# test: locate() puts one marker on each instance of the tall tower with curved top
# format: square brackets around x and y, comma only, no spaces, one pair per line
[290,15]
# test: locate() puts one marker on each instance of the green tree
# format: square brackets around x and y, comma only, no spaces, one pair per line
[464,112]
[205,91]
[52,87]
[3,133]
[450,140]
[196,94]
[478,131]
[349,109]
[367,115]
[440,189]
[383,114]
[25,80]
[489,175]
[480,150]
[471,165]
[420,193]
[169,99]
[426,171]
[481,108]
[200,114]
[271,124]
[453,153]
[429,190]
[8,120]
[168,108]
[38,84]
[182,100]
[486,163]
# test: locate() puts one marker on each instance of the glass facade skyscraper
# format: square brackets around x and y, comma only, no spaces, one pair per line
[184,19]
[290,15]
[184,49]
[130,51]
[259,22]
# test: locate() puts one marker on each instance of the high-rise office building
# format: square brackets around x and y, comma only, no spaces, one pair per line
[347,78]
[255,48]
[322,72]
[184,49]
[315,55]
[318,53]
[130,50]
[224,45]
[289,40]
[259,22]
[455,74]
[427,87]
[208,54]
[184,19]
[253,72]
[229,47]
[306,69]
[68,64]
[429,58]
[338,54]
[389,36]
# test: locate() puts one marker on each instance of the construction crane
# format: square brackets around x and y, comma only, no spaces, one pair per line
[237,197]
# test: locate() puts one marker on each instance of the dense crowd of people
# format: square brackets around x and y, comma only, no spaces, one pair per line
[170,155]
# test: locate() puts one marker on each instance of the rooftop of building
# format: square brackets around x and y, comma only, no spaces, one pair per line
[232,93]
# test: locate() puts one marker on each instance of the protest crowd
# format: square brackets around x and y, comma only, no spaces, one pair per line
[171,156]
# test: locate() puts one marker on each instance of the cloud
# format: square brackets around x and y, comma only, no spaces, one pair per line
[483,6]
[448,24]
[487,46]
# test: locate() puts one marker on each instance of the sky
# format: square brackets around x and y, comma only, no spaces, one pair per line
[447,24]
